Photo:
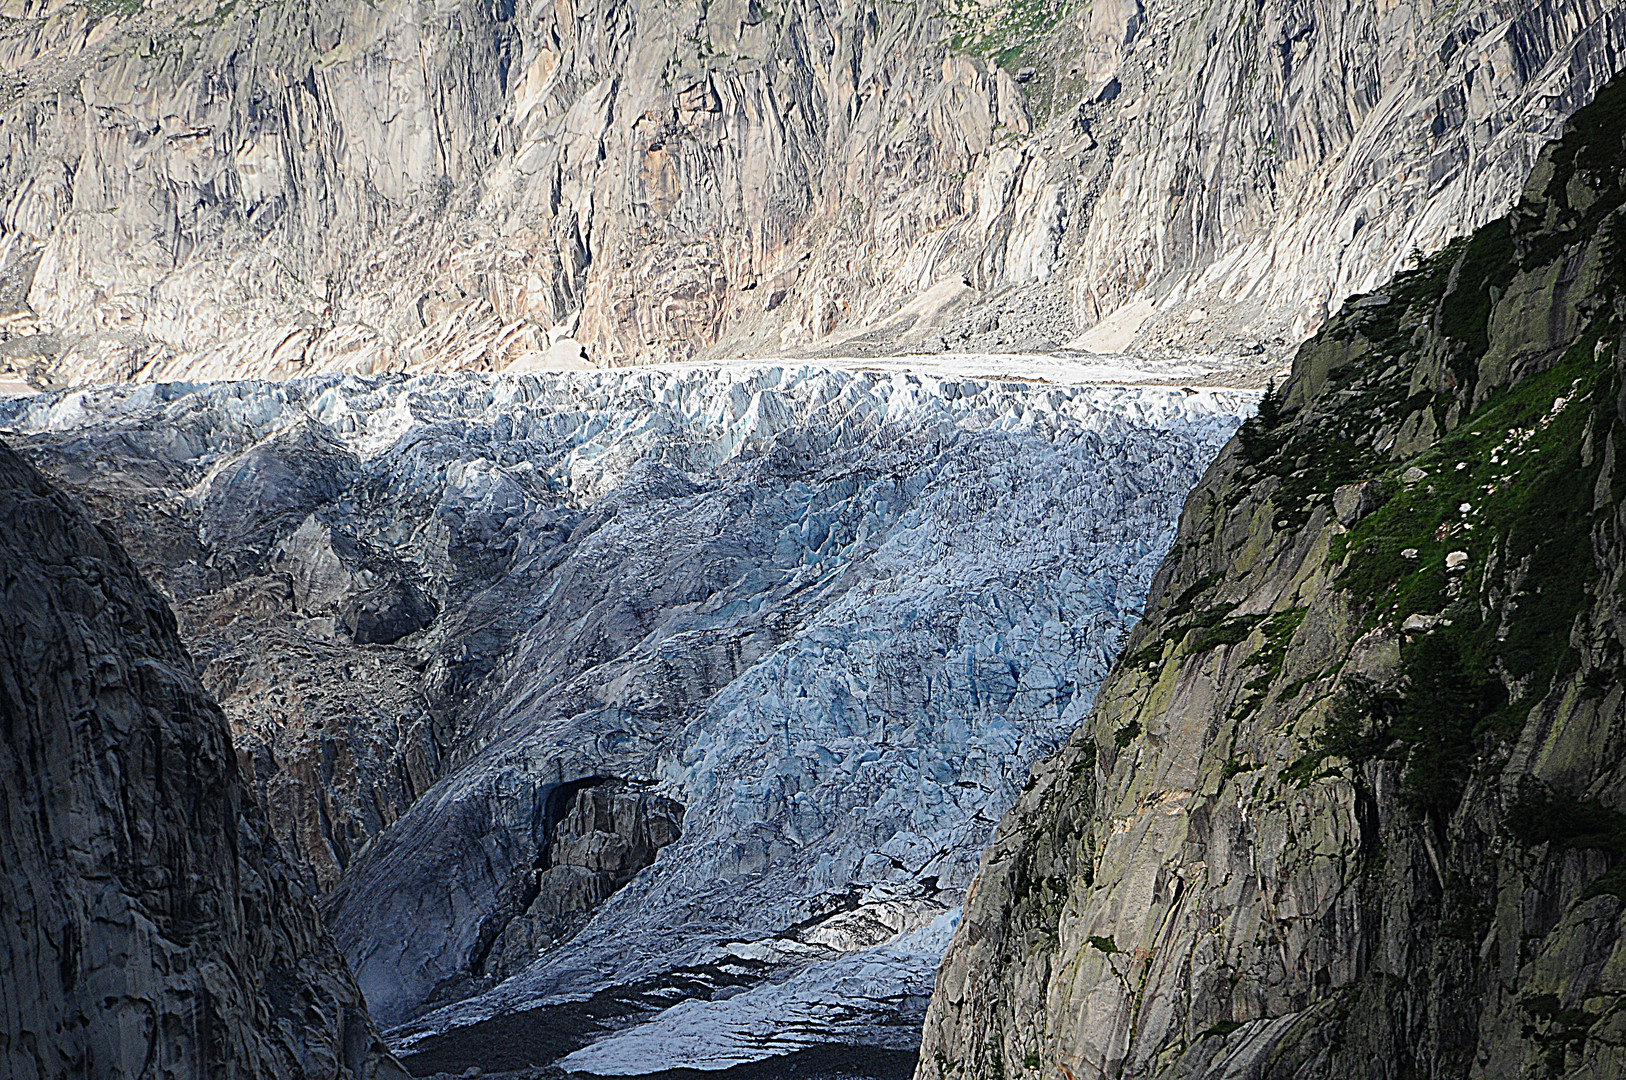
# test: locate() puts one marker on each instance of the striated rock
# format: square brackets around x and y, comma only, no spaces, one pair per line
[386,614]
[151,925]
[1339,812]
[321,578]
[260,190]
[604,834]
[248,504]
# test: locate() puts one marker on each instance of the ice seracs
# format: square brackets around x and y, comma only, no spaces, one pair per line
[794,633]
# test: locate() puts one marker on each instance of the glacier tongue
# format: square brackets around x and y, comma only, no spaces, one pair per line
[834,614]
[841,999]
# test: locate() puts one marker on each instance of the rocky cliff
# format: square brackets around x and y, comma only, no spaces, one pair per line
[689,689]
[151,926]
[194,189]
[1352,802]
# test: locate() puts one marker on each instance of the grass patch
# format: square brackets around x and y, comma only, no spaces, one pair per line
[1227,632]
[1182,606]
[1147,658]
[1555,1029]
[1003,32]
[1279,630]
[1084,763]
[1484,269]
[1540,815]
[1512,489]
[1434,721]
[96,10]
[1219,1030]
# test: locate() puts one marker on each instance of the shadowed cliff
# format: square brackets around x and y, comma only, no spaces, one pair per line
[148,926]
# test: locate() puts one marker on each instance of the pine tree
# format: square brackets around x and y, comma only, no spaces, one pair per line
[1255,431]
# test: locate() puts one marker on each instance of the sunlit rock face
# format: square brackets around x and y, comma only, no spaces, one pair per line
[1351,804]
[695,680]
[192,189]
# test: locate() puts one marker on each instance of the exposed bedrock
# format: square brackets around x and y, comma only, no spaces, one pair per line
[601,833]
[1352,802]
[264,190]
[151,925]
[727,674]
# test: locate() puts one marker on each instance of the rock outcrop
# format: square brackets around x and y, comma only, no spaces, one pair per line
[1352,802]
[730,672]
[151,925]
[600,834]
[190,189]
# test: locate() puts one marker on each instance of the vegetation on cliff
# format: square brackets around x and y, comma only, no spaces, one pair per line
[1351,802]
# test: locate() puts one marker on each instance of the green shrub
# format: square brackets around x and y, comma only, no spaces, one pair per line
[1540,815]
[1446,701]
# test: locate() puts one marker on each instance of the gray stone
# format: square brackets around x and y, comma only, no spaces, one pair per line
[1354,501]
[263,191]
[151,926]
[386,614]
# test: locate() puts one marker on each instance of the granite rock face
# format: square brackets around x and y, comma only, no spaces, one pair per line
[1352,802]
[602,834]
[151,925]
[264,190]
[730,674]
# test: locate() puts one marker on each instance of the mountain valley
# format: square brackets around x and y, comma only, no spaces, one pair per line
[999,540]
[785,639]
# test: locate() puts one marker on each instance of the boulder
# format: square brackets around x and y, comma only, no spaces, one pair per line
[1352,502]
[388,613]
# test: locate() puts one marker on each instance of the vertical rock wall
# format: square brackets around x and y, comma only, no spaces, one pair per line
[1352,802]
[150,927]
[258,189]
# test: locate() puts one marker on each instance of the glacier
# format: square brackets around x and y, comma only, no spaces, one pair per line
[674,702]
